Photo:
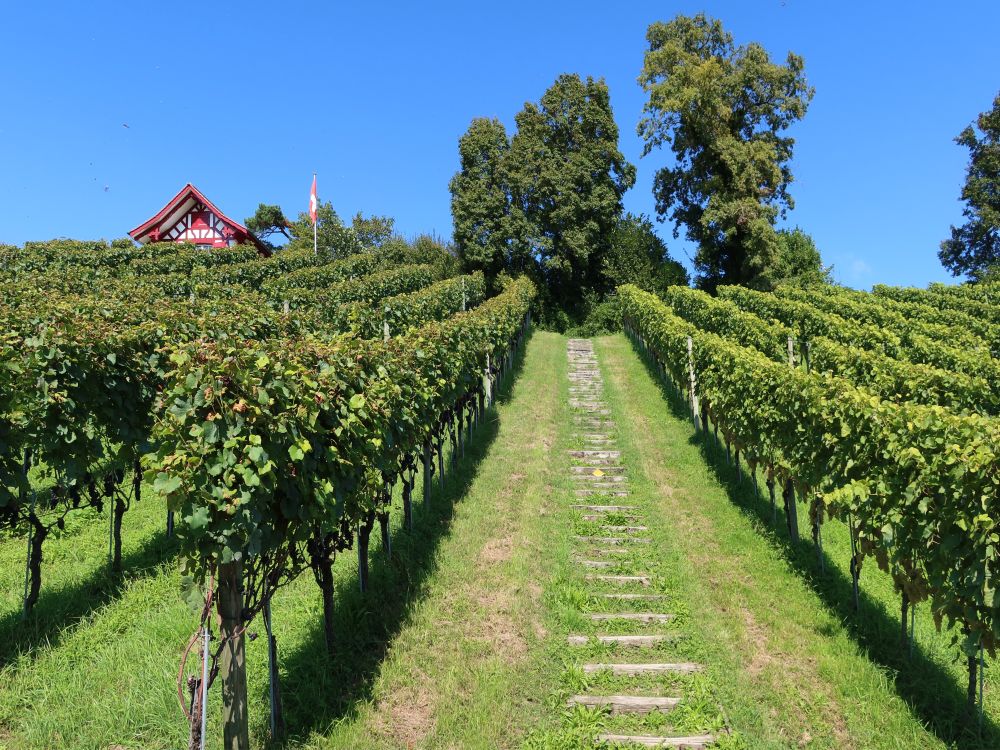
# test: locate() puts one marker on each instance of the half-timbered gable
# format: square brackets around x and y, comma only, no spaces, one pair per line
[190,217]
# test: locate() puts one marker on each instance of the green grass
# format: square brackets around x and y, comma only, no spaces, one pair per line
[461,640]
[442,652]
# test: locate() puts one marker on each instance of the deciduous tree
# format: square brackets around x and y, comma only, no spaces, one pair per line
[721,109]
[567,181]
[974,248]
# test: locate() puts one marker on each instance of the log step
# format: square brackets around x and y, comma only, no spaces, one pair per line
[602,479]
[642,580]
[596,563]
[592,469]
[624,704]
[636,597]
[632,616]
[602,491]
[633,669]
[627,529]
[692,742]
[599,517]
[639,641]
[595,454]
[614,539]
[605,508]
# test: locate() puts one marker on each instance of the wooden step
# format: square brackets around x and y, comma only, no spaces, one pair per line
[608,479]
[591,469]
[625,704]
[601,491]
[642,580]
[594,454]
[614,539]
[692,742]
[631,616]
[626,529]
[596,563]
[599,517]
[636,597]
[605,508]
[638,641]
[633,669]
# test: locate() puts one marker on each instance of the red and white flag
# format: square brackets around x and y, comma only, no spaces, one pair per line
[313,203]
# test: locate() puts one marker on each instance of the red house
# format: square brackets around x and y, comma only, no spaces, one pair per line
[191,217]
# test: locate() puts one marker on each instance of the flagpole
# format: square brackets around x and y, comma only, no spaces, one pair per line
[315,221]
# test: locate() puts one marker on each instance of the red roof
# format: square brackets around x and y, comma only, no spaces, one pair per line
[176,207]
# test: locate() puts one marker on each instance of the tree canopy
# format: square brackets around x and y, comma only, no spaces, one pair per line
[721,108]
[638,256]
[799,262]
[547,200]
[267,221]
[974,248]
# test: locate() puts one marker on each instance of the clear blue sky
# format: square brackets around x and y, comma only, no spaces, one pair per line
[247,99]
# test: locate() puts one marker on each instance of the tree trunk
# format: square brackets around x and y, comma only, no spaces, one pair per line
[904,613]
[39,532]
[408,503]
[791,511]
[233,665]
[119,511]
[383,522]
[323,565]
[274,679]
[774,506]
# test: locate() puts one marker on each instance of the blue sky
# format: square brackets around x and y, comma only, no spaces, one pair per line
[112,107]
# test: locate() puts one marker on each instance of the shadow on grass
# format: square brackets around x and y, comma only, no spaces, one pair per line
[931,692]
[318,691]
[59,608]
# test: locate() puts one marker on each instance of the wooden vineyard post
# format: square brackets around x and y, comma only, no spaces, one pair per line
[791,352]
[692,383]
[440,453]
[791,511]
[488,382]
[233,666]
[273,681]
[408,500]
[855,567]
[770,491]
[385,330]
[170,523]
[427,473]
[364,535]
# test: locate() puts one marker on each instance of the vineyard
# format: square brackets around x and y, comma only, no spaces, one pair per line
[876,409]
[277,414]
[277,407]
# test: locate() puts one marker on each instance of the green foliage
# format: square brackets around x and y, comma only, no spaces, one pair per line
[721,109]
[568,178]
[481,201]
[638,256]
[920,483]
[373,231]
[333,238]
[974,248]
[267,221]
[546,201]
[799,263]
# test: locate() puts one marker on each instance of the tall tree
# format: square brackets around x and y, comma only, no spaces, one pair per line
[568,177]
[974,247]
[480,199]
[721,109]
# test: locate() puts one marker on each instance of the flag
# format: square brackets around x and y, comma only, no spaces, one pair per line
[313,203]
